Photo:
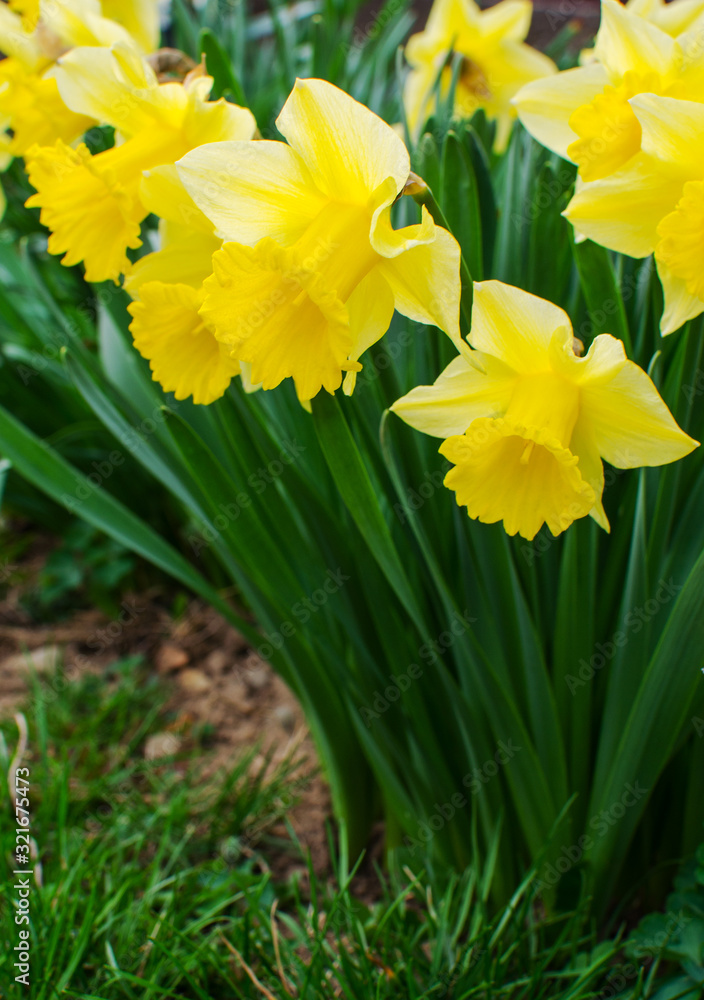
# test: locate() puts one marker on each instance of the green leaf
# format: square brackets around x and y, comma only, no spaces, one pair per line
[601,290]
[219,66]
[352,480]
[45,469]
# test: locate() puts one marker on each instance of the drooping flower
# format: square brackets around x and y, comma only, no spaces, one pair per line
[656,203]
[35,34]
[92,204]
[585,115]
[167,286]
[312,269]
[527,422]
[496,62]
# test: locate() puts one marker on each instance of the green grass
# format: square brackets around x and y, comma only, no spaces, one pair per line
[155,884]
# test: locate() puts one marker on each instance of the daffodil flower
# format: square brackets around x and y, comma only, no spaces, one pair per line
[495,62]
[585,115]
[167,285]
[92,204]
[312,269]
[656,203]
[527,422]
[34,34]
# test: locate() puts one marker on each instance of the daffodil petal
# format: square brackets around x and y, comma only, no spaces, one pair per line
[509,20]
[251,190]
[348,149]
[458,396]
[185,258]
[623,211]
[390,242]
[370,308]
[514,326]
[425,281]
[583,445]
[184,356]
[140,17]
[680,304]
[163,194]
[631,424]
[114,87]
[673,133]
[626,42]
[545,106]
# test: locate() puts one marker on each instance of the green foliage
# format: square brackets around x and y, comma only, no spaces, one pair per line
[155,884]
[458,682]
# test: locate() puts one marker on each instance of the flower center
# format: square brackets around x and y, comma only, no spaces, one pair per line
[681,246]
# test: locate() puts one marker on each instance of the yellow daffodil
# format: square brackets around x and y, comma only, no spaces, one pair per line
[312,268]
[92,204]
[34,34]
[527,421]
[495,62]
[184,356]
[584,114]
[656,203]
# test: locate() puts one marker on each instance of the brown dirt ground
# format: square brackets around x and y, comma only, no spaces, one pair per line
[215,678]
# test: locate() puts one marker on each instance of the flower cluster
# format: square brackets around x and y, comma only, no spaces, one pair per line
[632,119]
[279,259]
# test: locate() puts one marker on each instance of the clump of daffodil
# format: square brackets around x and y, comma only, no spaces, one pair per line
[34,34]
[92,204]
[167,285]
[311,268]
[656,203]
[527,422]
[495,62]
[585,115]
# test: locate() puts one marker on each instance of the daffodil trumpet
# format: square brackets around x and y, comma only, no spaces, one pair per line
[527,425]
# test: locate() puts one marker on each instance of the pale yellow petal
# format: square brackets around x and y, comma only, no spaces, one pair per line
[370,308]
[114,87]
[508,20]
[623,211]
[163,194]
[348,149]
[390,242]
[631,424]
[252,190]
[514,326]
[184,356]
[140,17]
[673,134]
[185,257]
[80,22]
[583,445]
[626,42]
[546,105]
[680,304]
[425,282]
[458,396]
